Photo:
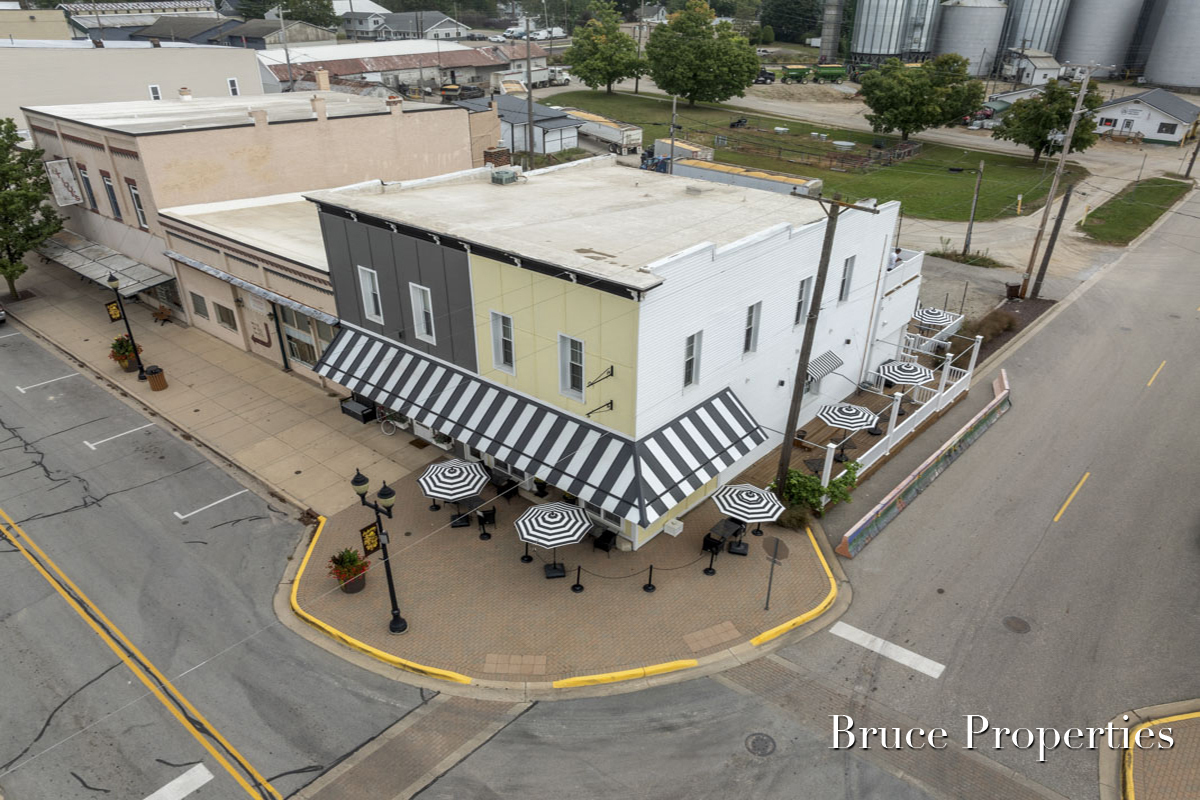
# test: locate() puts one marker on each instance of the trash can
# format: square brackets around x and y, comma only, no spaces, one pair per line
[1014,291]
[158,381]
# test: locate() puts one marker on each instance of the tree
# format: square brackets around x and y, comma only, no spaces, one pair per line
[792,20]
[1040,121]
[766,35]
[26,218]
[601,53]
[911,99]
[314,12]
[692,58]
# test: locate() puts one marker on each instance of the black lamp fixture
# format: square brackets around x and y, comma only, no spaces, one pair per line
[385,499]
[114,283]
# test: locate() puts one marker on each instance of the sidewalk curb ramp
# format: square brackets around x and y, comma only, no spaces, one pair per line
[1116,766]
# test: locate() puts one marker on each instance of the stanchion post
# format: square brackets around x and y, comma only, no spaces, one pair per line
[712,554]
[649,585]
[577,587]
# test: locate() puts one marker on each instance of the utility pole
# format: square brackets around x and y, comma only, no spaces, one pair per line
[1062,212]
[1062,162]
[1138,182]
[1192,163]
[810,332]
[671,154]
[528,98]
[641,24]
[974,203]
[286,53]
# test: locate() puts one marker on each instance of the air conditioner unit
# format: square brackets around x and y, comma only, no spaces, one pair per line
[504,176]
[673,527]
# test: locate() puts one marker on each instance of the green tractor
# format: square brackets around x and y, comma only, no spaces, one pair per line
[795,73]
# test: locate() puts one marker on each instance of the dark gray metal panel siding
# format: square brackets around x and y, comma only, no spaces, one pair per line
[400,260]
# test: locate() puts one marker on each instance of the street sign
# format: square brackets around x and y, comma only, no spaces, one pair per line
[370,539]
[114,311]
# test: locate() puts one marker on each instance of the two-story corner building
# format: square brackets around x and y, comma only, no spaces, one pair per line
[420,25]
[129,160]
[628,337]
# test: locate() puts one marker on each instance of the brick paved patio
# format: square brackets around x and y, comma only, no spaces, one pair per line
[1169,774]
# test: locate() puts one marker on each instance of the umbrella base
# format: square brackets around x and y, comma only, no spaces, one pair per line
[840,458]
[556,571]
[527,559]
[756,532]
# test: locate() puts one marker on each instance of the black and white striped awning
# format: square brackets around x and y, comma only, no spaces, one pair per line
[639,481]
[822,365]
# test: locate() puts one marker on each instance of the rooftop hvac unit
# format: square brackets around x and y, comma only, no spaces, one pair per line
[504,176]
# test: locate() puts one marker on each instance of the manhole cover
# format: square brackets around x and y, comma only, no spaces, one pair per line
[1016,624]
[760,744]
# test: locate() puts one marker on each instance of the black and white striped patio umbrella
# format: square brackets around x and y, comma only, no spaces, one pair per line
[904,372]
[748,503]
[847,417]
[933,316]
[553,525]
[453,480]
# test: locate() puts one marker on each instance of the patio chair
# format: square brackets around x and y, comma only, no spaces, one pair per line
[603,539]
[506,487]
[163,315]
[487,516]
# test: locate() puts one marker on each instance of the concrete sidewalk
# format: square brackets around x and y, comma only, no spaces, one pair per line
[1151,773]
[286,431]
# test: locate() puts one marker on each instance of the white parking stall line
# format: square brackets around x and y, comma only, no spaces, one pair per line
[23,389]
[184,785]
[210,505]
[93,445]
[888,650]
[8,335]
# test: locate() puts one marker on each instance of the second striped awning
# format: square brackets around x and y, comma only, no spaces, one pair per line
[822,365]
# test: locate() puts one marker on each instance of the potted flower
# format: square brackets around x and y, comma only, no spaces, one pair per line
[442,440]
[570,498]
[539,487]
[350,569]
[122,352]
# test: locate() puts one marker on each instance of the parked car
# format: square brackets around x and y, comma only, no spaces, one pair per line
[538,36]
[476,37]
[497,38]
[511,33]
[762,51]
[3,316]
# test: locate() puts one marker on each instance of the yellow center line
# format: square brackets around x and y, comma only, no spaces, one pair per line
[1155,375]
[1071,497]
[160,687]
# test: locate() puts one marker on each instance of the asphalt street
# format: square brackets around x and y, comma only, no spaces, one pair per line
[124,509]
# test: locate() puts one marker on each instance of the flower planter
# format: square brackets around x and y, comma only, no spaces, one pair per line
[355,584]
[128,364]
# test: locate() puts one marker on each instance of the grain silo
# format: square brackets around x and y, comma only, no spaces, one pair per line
[1174,60]
[1035,24]
[1100,31]
[972,28]
[920,24]
[879,30]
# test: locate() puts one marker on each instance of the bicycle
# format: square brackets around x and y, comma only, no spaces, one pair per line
[391,421]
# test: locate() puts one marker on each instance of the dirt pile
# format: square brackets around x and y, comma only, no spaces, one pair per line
[803,92]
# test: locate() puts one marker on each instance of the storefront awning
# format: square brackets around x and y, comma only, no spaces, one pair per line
[254,289]
[636,480]
[96,262]
[822,365]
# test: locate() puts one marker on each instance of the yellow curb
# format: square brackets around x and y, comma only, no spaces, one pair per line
[792,624]
[350,641]
[625,675]
[1128,793]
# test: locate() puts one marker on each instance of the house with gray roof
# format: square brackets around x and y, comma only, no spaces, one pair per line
[1155,116]
[553,130]
[420,25]
[259,34]
[197,30]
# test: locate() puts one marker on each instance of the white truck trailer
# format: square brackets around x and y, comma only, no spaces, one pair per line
[507,81]
[620,137]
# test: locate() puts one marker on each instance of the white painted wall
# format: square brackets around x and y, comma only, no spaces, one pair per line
[708,289]
[1142,119]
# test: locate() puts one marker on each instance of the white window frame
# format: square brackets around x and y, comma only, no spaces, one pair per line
[294,335]
[750,331]
[804,301]
[234,90]
[565,363]
[111,190]
[499,337]
[155,92]
[368,284]
[232,315]
[199,305]
[847,279]
[692,347]
[136,198]
[87,188]
[422,311]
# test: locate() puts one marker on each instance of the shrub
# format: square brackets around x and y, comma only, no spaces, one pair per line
[805,490]
[991,326]
[795,518]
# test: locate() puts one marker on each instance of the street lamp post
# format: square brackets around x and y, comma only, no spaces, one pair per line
[387,497]
[114,282]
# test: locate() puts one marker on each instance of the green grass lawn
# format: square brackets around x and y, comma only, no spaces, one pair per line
[924,184]
[1123,217]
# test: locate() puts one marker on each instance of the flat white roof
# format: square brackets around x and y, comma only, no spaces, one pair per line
[399,47]
[86,44]
[592,216]
[174,114]
[286,225]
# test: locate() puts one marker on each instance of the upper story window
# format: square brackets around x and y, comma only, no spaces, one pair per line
[847,278]
[804,300]
[503,354]
[155,92]
[87,187]
[233,87]
[112,195]
[368,282]
[570,367]
[136,197]
[422,304]
[691,359]
[750,337]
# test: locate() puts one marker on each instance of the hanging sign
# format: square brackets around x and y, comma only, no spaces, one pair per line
[370,539]
[63,183]
[114,311]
